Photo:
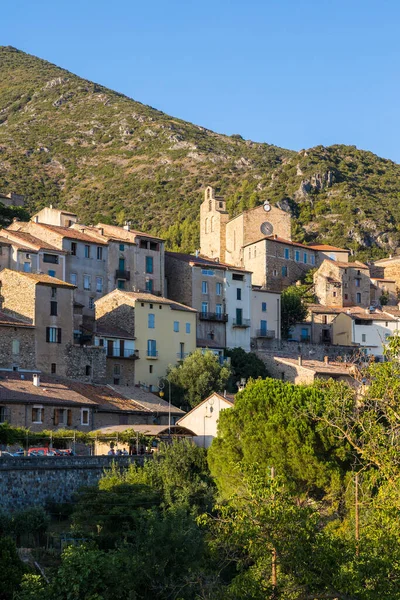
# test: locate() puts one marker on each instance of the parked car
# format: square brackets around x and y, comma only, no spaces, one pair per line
[65,452]
[41,452]
[5,453]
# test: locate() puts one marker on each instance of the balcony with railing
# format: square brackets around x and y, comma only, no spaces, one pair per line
[122,353]
[213,316]
[152,354]
[122,274]
[241,323]
[182,355]
[265,333]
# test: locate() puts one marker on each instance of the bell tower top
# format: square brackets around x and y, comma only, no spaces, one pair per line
[213,202]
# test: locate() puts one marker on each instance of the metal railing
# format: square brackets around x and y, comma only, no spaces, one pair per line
[120,274]
[126,353]
[265,333]
[182,355]
[213,316]
[241,323]
[152,354]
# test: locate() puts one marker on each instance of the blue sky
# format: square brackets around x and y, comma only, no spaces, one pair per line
[295,73]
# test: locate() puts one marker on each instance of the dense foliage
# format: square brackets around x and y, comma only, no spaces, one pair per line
[293,309]
[76,144]
[244,366]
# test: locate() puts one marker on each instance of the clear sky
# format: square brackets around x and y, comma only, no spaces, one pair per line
[295,73]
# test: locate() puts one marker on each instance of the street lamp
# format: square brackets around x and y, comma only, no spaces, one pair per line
[161,394]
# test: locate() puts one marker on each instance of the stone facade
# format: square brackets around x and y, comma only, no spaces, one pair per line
[213,220]
[17,347]
[52,416]
[305,372]
[85,363]
[342,284]
[26,482]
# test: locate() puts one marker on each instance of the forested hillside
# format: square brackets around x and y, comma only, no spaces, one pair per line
[73,143]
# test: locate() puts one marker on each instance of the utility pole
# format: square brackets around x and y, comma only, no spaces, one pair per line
[273,560]
[357,520]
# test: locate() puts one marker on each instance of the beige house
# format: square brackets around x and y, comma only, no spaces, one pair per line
[383,287]
[163,331]
[342,284]
[17,344]
[368,329]
[203,419]
[265,314]
[387,268]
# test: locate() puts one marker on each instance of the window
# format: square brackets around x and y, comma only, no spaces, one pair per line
[53,309]
[60,415]
[363,337]
[51,273]
[238,294]
[88,370]
[86,282]
[149,285]
[53,335]
[358,298]
[334,294]
[99,253]
[312,259]
[53,368]
[305,258]
[116,380]
[121,264]
[54,292]
[239,316]
[143,244]
[151,320]
[121,247]
[204,307]
[187,327]
[208,272]
[346,296]
[50,258]
[218,289]
[154,246]
[237,277]
[150,368]
[117,369]
[73,278]
[358,282]
[287,253]
[84,416]
[263,327]
[27,267]
[151,348]
[91,303]
[73,248]
[87,251]
[176,326]
[37,414]
[149,264]
[204,287]
[264,307]
[218,309]
[249,252]
[15,347]
[151,306]
[284,271]
[275,273]
[121,284]
[99,285]
[3,414]
[297,255]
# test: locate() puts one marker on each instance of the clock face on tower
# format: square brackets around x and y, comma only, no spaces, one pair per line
[266,228]
[267,206]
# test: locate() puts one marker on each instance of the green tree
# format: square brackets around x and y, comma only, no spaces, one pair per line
[293,310]
[245,365]
[199,376]
[11,569]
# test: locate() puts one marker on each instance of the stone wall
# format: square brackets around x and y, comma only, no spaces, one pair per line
[265,347]
[116,311]
[22,415]
[25,358]
[31,481]
[85,363]
[178,274]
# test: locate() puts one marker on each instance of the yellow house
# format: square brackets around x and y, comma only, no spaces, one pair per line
[162,332]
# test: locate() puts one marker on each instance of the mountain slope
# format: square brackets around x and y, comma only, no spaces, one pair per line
[76,144]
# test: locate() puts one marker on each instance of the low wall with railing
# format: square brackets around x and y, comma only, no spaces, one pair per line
[30,481]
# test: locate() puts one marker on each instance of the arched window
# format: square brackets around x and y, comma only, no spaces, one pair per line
[212,224]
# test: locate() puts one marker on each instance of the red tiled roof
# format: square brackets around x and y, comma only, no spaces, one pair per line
[275,238]
[115,332]
[119,233]
[42,278]
[8,320]
[37,243]
[204,261]
[333,368]
[50,391]
[73,234]
[327,247]
[145,297]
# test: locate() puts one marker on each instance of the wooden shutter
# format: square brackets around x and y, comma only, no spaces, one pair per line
[47,334]
[56,416]
[59,335]
[69,417]
[121,347]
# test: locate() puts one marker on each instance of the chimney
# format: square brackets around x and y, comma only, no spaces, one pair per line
[101,230]
[224,393]
[300,360]
[127,225]
[197,253]
[326,360]
[36,379]
[51,207]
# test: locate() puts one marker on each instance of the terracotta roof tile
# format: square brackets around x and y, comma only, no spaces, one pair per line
[73,234]
[42,278]
[37,243]
[6,319]
[204,261]
[122,234]
[327,247]
[145,297]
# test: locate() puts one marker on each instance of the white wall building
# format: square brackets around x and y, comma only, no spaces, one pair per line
[203,419]
[237,287]
[265,314]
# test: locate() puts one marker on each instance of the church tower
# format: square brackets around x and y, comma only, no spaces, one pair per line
[213,219]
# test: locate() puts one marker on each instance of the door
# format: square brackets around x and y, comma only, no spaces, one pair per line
[263,328]
[239,315]
[110,348]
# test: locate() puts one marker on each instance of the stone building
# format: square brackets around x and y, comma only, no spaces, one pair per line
[46,303]
[17,344]
[12,199]
[387,268]
[383,288]
[219,292]
[48,402]
[162,333]
[303,371]
[342,284]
